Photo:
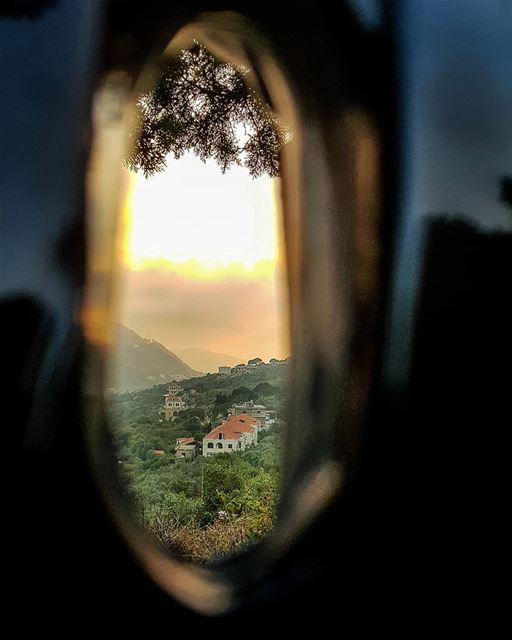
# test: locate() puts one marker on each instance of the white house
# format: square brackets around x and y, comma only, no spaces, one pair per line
[172,406]
[174,388]
[234,434]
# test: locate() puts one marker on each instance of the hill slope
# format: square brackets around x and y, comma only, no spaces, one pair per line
[140,363]
[207,361]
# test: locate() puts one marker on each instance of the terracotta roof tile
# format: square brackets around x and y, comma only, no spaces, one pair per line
[244,418]
[233,427]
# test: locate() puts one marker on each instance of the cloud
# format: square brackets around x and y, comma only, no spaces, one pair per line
[236,315]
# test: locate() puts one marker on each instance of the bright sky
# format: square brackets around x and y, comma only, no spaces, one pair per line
[202,260]
[193,212]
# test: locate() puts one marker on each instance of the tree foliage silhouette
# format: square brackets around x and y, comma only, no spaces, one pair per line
[204,105]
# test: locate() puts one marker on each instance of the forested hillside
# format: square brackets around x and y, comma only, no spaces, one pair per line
[180,501]
[140,363]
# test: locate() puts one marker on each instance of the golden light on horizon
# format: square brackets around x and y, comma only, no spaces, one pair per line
[202,260]
[194,220]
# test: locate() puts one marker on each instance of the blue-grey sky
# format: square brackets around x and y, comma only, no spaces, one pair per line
[454,72]
[462,98]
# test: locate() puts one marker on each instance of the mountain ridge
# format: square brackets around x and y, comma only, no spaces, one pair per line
[140,363]
[206,360]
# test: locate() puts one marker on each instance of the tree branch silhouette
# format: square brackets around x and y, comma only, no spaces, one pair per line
[204,105]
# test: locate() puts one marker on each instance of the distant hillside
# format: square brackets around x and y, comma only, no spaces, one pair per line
[207,361]
[140,363]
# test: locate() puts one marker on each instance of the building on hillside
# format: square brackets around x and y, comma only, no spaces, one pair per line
[245,418]
[238,369]
[185,449]
[234,434]
[257,411]
[271,417]
[255,362]
[225,371]
[175,388]
[172,406]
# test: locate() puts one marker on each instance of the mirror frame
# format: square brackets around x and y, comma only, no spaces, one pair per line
[330,203]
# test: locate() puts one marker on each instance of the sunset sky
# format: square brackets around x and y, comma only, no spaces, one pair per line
[202,261]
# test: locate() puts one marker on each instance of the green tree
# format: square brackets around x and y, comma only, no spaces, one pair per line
[242,394]
[224,477]
[263,389]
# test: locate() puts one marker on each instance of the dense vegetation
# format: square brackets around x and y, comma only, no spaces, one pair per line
[180,501]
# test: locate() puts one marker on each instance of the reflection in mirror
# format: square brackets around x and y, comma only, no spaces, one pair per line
[196,383]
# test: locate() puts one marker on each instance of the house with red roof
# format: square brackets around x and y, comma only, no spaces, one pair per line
[234,434]
[258,411]
[173,404]
[175,388]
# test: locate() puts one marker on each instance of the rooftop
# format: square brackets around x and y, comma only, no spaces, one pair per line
[172,397]
[249,405]
[233,427]
[244,418]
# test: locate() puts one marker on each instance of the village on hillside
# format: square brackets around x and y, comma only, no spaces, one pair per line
[200,457]
[244,420]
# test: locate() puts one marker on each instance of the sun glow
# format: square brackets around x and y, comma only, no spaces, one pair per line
[194,220]
[202,260]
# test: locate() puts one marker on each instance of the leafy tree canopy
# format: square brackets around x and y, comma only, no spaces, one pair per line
[204,105]
[264,389]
